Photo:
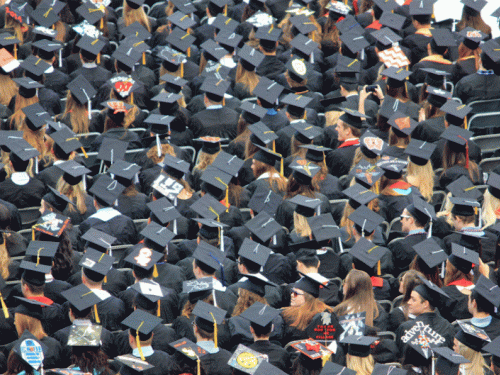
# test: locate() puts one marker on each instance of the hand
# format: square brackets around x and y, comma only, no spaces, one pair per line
[363,94]
[484,269]
[421,115]
[378,93]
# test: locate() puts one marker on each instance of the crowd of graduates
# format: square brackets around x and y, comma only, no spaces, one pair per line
[237,187]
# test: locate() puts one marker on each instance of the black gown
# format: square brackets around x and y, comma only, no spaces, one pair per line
[456,307]
[161,361]
[220,122]
[278,356]
[162,337]
[339,161]
[22,196]
[477,87]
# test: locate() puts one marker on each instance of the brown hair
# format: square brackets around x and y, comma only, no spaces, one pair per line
[8,89]
[454,274]
[165,149]
[245,300]
[301,316]
[90,359]
[5,260]
[431,274]
[33,325]
[205,160]
[131,15]
[464,52]
[452,158]
[409,281]
[18,117]
[78,115]
[397,140]
[188,308]
[280,182]
[76,193]
[359,296]
[472,18]
[248,78]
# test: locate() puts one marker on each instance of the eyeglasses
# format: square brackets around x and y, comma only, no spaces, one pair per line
[295,294]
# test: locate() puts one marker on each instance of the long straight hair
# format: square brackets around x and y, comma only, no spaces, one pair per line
[300,316]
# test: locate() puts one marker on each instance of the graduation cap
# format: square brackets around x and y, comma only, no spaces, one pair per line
[81,298]
[208,317]
[252,112]
[181,20]
[208,207]
[386,38]
[371,145]
[456,112]
[350,25]
[256,283]
[311,284]
[173,83]
[227,163]
[393,167]
[261,19]
[66,141]
[198,289]
[228,39]
[30,350]
[18,11]
[303,24]
[296,104]
[380,369]
[124,172]
[46,49]
[126,56]
[315,153]
[323,227]
[254,252]
[175,167]
[269,157]
[304,45]
[132,363]
[36,116]
[91,13]
[213,51]
[443,38]
[387,6]
[396,77]
[422,8]
[171,59]
[448,361]
[211,229]
[488,290]
[96,264]
[112,150]
[98,240]
[430,252]
[430,292]
[35,67]
[85,335]
[464,206]
[463,258]
[367,174]
[116,110]
[263,226]
[52,224]
[34,273]
[265,368]
[393,20]
[90,46]
[477,5]
[359,195]
[366,220]
[143,257]
[306,206]
[72,171]
[57,200]
[82,90]
[435,77]
[331,368]
[492,50]
[30,307]
[215,88]
[493,184]
[421,210]
[141,324]
[390,106]
[437,96]
[354,43]
[181,40]
[359,346]
[216,182]
[352,117]
[260,314]
[312,350]
[419,151]
[222,22]
[106,190]
[494,349]
[472,37]
[38,250]
[471,336]
[250,58]
[189,349]
[268,36]
[163,210]
[264,199]
[368,254]
[261,134]
[158,234]
[244,359]
[268,91]
[305,133]
[160,124]
[464,188]
[209,255]
[137,30]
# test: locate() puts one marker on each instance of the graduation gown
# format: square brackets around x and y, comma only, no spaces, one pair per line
[437,155]
[116,281]
[492,329]
[22,195]
[396,318]
[456,307]
[56,81]
[278,356]
[50,176]
[457,171]
[391,206]
[417,44]
[402,251]
[239,329]
[96,75]
[162,337]
[270,67]
[339,161]
[219,122]
[429,62]
[284,213]
[135,207]
[477,86]
[275,120]
[216,363]
[111,313]
[161,361]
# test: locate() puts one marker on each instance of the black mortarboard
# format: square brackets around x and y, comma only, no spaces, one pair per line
[126,56]
[184,6]
[323,227]
[296,104]
[85,335]
[359,195]
[371,145]
[463,258]
[222,22]
[256,283]
[331,368]
[464,188]
[305,133]
[6,40]
[96,264]
[181,20]
[213,51]
[228,39]
[81,297]
[315,153]
[488,290]
[494,349]
[419,151]
[354,42]
[112,149]
[267,156]
[215,178]
[254,252]
[390,106]
[209,255]
[90,47]
[34,273]
[18,11]
[430,292]
[464,206]
[189,349]
[430,252]
[443,38]
[30,350]
[132,364]
[176,168]
[455,112]
[34,67]
[73,172]
[305,206]
[98,240]
[380,369]
[160,124]
[359,346]
[90,12]
[261,134]
[304,171]
[181,39]
[210,229]
[472,336]
[42,249]
[472,37]
[66,140]
[30,307]
[303,24]
[106,189]
[435,77]
[227,163]
[366,219]
[396,77]
[265,368]
[158,234]
[268,35]
[263,226]
[386,37]
[421,8]
[448,361]
[265,199]
[437,96]
[81,89]
[57,200]
[22,151]
[36,116]
[393,20]
[387,6]
[421,210]
[338,8]
[304,45]
[124,171]
[198,289]
[252,112]
[163,210]
[52,223]
[352,117]
[477,5]
[250,58]
[116,110]
[393,167]
[143,323]
[367,252]
[493,184]
[350,25]
[268,90]
[309,283]
[46,49]
[150,292]
[208,207]
[143,257]
[260,314]
[208,315]
[137,30]
[215,88]
[492,50]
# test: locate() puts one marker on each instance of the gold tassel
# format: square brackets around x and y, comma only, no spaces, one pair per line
[225,10]
[84,153]
[379,271]
[215,330]
[188,52]
[158,311]
[198,366]
[4,307]
[99,58]
[227,193]
[281,168]
[102,23]
[38,256]
[132,98]
[138,341]
[465,123]
[32,234]
[155,271]
[15,51]
[144,58]
[274,146]
[182,70]
[105,279]
[96,315]
[325,359]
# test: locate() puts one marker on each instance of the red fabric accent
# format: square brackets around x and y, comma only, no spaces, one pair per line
[407,2]
[224,202]
[374,25]
[462,282]
[340,19]
[377,282]
[355,6]
[42,299]
[400,185]
[352,142]
[313,347]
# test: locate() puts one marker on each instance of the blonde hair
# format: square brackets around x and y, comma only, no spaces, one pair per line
[131,15]
[8,89]
[446,209]
[5,260]
[245,300]
[301,316]
[76,193]
[477,364]
[248,78]
[33,325]
[205,160]
[78,115]
[362,365]
[165,148]
[301,226]
[422,177]
[11,23]
[358,156]
[491,205]
[35,139]
[18,117]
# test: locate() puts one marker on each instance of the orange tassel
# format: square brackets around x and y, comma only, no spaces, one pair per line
[99,58]
[138,341]
[96,315]
[4,307]
[15,51]
[84,153]
[379,271]
[144,58]
[155,271]
[158,312]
